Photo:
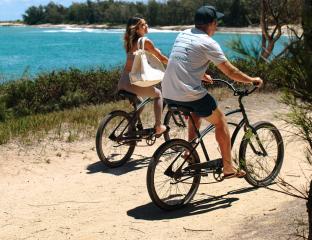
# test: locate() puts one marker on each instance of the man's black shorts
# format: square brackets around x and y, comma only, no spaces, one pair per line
[202,107]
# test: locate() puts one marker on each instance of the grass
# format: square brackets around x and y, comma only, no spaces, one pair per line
[69,125]
[74,124]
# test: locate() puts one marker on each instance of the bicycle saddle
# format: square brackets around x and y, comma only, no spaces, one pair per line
[178,108]
[125,94]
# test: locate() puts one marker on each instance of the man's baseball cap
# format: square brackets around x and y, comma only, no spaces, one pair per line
[206,14]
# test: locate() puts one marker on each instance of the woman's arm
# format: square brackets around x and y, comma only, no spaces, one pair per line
[149,46]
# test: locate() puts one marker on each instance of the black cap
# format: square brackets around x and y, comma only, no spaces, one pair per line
[206,14]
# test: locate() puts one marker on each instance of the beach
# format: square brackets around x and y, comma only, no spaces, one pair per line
[58,190]
[250,30]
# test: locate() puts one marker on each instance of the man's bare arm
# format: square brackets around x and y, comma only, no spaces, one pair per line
[235,74]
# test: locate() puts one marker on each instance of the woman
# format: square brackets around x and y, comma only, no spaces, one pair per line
[136,28]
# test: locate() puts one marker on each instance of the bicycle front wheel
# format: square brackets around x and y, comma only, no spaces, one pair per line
[178,126]
[261,154]
[111,146]
[169,186]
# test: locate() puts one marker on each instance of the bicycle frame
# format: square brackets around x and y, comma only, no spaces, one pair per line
[244,123]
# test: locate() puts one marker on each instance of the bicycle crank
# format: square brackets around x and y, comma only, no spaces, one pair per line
[151,140]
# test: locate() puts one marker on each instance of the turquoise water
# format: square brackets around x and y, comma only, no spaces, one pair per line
[30,50]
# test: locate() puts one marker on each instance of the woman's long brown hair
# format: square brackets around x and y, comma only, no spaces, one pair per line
[131,37]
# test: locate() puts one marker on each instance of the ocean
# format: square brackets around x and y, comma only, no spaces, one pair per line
[31,50]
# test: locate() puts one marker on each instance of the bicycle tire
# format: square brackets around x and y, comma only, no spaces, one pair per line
[178,126]
[272,141]
[121,152]
[165,155]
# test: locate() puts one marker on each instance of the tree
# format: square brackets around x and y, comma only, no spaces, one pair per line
[77,13]
[298,88]
[54,13]
[277,14]
[237,14]
[152,12]
[34,15]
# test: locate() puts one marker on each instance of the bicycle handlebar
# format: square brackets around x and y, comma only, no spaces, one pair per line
[237,92]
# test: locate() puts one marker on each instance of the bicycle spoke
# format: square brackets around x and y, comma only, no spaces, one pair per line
[263,154]
[112,150]
[171,190]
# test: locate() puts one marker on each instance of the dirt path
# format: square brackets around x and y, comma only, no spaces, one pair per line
[58,190]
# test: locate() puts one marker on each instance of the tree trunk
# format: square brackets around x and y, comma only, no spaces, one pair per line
[307,34]
[269,38]
[309,209]
[263,27]
[307,24]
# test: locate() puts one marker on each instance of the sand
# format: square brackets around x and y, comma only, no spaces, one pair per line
[60,190]
[239,30]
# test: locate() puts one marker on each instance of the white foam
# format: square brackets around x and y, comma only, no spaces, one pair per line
[80,30]
[93,30]
[153,30]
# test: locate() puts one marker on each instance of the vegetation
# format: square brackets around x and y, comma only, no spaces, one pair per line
[75,99]
[59,94]
[57,90]
[276,14]
[69,125]
[171,12]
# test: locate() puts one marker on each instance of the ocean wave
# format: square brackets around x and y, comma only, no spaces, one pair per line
[81,30]
[154,30]
[93,30]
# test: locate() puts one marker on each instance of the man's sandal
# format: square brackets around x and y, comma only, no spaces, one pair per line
[237,174]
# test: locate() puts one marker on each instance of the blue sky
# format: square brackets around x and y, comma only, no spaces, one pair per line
[14,9]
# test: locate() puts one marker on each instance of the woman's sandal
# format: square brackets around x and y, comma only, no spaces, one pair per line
[237,174]
[164,129]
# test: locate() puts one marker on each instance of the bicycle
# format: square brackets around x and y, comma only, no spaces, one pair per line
[119,132]
[173,176]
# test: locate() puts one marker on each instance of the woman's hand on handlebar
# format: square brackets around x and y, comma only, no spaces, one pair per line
[257,82]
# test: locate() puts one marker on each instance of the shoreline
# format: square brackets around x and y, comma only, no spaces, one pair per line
[239,30]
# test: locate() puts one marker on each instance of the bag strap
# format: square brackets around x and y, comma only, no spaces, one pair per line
[141,42]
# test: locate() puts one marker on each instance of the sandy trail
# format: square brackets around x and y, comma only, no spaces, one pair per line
[58,190]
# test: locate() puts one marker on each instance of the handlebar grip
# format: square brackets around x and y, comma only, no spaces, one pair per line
[255,84]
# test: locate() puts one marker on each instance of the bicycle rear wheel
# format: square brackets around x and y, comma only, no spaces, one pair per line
[261,155]
[168,185]
[178,126]
[112,150]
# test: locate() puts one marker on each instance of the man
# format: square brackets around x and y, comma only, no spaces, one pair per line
[192,51]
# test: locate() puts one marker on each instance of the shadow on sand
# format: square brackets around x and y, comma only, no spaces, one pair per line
[206,204]
[135,163]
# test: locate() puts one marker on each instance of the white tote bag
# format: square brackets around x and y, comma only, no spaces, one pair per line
[146,70]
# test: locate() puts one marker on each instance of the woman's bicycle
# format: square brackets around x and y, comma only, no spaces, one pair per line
[175,172]
[119,132]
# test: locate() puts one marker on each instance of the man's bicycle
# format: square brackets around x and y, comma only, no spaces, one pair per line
[175,172]
[119,132]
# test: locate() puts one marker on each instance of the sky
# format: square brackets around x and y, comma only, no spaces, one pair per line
[14,9]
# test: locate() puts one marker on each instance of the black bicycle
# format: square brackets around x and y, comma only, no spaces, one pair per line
[175,172]
[119,132]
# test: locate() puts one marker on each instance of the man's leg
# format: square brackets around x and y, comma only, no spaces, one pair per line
[191,129]
[223,137]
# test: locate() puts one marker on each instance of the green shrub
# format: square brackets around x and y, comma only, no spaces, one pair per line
[272,73]
[58,90]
